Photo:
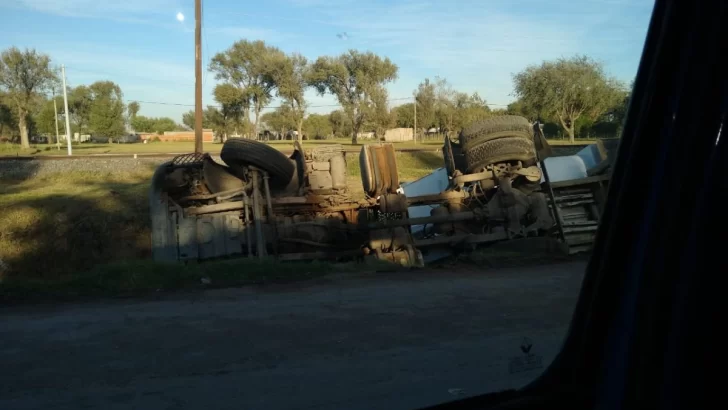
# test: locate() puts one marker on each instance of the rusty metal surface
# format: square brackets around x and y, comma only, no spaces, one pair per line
[382,164]
[319,222]
[393,203]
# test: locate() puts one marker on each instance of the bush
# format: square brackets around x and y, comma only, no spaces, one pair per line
[155,139]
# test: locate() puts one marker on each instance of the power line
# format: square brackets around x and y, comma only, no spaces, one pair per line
[266,107]
[280,106]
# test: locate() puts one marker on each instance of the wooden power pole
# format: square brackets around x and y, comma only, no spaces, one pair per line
[414,136]
[198,76]
[55,111]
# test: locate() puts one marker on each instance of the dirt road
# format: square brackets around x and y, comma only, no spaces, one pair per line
[396,342]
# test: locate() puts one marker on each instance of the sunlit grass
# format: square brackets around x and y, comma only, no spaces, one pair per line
[54,227]
[7,149]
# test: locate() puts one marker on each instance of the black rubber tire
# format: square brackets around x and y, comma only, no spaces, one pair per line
[495,128]
[499,150]
[239,152]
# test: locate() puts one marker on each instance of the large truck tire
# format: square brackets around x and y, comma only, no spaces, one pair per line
[499,150]
[238,153]
[505,126]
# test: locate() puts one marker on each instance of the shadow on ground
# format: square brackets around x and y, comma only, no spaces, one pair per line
[17,170]
[57,225]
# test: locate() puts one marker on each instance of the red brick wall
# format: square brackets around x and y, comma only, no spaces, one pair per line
[179,136]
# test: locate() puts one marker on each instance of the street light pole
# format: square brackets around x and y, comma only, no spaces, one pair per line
[65,106]
[198,76]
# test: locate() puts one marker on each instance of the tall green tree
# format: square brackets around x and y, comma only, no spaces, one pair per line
[106,115]
[317,125]
[164,124]
[159,125]
[141,123]
[404,115]
[7,120]
[188,118]
[567,90]
[358,82]
[24,74]
[232,116]
[340,124]
[468,109]
[132,109]
[248,65]
[45,119]
[426,104]
[445,103]
[80,104]
[282,119]
[291,77]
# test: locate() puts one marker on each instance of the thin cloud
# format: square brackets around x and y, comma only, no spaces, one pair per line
[477,46]
[251,33]
[130,11]
[113,64]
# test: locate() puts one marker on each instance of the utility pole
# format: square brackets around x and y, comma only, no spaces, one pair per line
[65,105]
[415,130]
[198,76]
[55,110]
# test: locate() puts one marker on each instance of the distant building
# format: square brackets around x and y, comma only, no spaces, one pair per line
[365,135]
[207,135]
[399,135]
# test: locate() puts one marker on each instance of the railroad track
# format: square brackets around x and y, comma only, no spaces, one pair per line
[173,154]
[558,150]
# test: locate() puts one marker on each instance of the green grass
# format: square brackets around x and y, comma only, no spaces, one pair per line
[168,147]
[88,233]
[52,226]
[185,147]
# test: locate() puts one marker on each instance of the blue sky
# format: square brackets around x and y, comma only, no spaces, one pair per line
[475,44]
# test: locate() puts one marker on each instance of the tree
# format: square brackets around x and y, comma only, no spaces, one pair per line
[141,123]
[22,75]
[232,113]
[357,80]
[158,125]
[468,109]
[80,102]
[445,103]
[188,118]
[46,117]
[290,75]
[248,65]
[106,115]
[8,122]
[567,89]
[426,101]
[340,124]
[519,108]
[282,119]
[132,109]
[317,125]
[404,115]
[164,124]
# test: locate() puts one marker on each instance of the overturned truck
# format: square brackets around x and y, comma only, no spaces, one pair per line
[263,203]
